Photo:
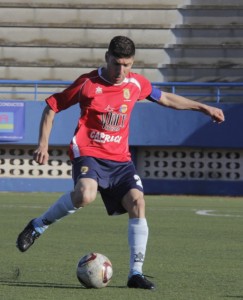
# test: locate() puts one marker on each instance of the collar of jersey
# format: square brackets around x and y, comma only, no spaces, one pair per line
[100,74]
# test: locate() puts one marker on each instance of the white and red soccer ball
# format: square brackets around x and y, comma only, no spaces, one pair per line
[94,270]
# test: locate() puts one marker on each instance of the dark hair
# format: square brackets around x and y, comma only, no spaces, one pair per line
[121,47]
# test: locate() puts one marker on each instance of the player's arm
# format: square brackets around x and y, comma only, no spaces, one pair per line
[41,153]
[55,103]
[178,102]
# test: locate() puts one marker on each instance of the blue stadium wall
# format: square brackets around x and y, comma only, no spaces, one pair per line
[151,126]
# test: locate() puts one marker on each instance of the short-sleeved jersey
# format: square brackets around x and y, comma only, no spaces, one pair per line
[103,126]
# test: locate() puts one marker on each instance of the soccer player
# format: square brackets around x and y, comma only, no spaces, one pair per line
[99,149]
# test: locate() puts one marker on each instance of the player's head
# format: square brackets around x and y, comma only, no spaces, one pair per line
[119,59]
[121,47]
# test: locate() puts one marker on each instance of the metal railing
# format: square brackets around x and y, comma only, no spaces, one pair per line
[32,85]
[216,90]
[213,90]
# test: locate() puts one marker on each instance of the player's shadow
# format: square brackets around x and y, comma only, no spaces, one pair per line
[47,285]
[39,284]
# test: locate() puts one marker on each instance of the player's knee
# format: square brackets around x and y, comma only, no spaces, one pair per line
[82,197]
[138,208]
[135,205]
[84,193]
[139,203]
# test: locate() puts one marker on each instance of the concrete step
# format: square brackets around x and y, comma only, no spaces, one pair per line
[71,36]
[91,3]
[162,16]
[58,17]
[77,57]
[80,57]
[83,44]
[209,74]
[203,56]
[229,45]
[90,45]
[89,25]
[227,5]
[62,73]
[216,16]
[216,65]
[208,35]
[122,25]
[152,4]
[162,74]
[226,64]
[210,3]
[77,36]
[196,26]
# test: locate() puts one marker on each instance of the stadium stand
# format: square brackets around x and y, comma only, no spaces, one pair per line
[177,40]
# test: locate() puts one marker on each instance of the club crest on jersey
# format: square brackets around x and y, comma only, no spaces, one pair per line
[123,109]
[84,170]
[126,93]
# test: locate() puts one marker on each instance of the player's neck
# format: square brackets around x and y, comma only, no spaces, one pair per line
[105,76]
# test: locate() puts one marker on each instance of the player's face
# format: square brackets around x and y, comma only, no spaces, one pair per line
[118,68]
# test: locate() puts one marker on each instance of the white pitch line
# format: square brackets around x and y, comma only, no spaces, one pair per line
[211,213]
[21,206]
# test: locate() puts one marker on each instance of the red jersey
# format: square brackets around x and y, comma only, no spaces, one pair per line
[103,126]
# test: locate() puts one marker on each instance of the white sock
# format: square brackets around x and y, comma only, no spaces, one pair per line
[137,239]
[61,208]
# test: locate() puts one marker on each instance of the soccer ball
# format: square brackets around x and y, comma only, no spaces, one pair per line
[94,270]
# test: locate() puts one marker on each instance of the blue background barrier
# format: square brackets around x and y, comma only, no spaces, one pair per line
[151,125]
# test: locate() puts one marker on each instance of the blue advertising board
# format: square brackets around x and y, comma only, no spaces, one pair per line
[12,116]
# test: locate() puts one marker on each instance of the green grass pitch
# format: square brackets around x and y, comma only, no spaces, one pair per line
[195,249]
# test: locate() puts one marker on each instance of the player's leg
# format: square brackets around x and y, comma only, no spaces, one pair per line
[125,194]
[85,192]
[138,233]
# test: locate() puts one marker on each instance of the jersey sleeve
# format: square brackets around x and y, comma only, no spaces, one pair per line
[148,91]
[146,87]
[68,97]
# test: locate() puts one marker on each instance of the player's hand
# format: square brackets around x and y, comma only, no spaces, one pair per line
[41,156]
[216,114]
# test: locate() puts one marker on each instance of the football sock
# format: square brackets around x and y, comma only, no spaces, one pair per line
[61,208]
[137,239]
